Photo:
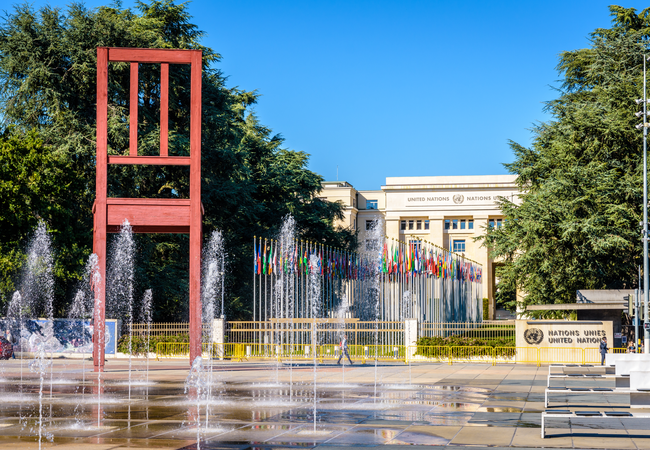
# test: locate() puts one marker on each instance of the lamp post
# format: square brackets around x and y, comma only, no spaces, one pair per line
[644,125]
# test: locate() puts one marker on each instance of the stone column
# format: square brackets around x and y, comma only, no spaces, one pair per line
[219,335]
[410,336]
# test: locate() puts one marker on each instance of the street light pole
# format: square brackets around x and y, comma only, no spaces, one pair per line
[644,125]
[646,332]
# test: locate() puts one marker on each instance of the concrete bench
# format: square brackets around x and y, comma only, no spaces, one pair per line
[611,359]
[639,398]
[625,366]
[567,415]
[559,369]
[619,381]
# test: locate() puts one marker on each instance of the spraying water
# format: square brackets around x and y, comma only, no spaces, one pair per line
[195,385]
[120,282]
[373,246]
[95,284]
[145,316]
[283,307]
[341,314]
[314,300]
[37,287]
[15,312]
[40,365]
[212,291]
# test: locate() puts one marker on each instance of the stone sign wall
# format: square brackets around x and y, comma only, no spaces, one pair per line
[563,333]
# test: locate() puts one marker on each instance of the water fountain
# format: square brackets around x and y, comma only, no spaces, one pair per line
[40,365]
[212,290]
[15,312]
[314,301]
[37,290]
[146,317]
[197,386]
[120,283]
[373,245]
[283,306]
[341,315]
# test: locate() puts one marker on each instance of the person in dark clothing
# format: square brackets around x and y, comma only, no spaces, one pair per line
[603,350]
[344,350]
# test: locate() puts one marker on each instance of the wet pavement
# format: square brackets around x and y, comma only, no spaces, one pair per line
[260,405]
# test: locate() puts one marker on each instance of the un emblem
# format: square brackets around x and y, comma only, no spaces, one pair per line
[458,199]
[533,336]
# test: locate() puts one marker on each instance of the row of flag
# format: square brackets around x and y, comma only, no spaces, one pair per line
[303,258]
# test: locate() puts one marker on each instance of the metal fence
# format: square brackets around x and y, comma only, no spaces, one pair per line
[487,329]
[396,353]
[164,329]
[330,331]
[326,332]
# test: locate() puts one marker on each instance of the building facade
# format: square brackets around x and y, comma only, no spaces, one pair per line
[448,211]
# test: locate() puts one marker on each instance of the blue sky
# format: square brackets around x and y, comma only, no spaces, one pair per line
[397,88]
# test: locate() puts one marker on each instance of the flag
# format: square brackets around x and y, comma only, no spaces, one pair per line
[264,259]
[275,258]
[254,255]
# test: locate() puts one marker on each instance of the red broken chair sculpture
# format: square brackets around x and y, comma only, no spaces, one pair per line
[148,215]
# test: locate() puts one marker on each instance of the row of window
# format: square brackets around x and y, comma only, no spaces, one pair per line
[458,245]
[499,222]
[459,224]
[417,223]
[450,224]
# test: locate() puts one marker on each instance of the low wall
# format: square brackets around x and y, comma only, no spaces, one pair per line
[66,335]
[561,340]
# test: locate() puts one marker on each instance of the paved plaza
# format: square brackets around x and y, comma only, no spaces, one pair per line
[263,406]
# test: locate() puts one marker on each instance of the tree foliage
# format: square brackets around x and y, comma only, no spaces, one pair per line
[576,224]
[249,181]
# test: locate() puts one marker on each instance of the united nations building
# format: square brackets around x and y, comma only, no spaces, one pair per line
[448,211]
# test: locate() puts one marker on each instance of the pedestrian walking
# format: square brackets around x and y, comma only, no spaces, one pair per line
[11,340]
[603,350]
[344,350]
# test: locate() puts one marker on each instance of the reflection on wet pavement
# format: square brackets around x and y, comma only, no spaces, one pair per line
[248,408]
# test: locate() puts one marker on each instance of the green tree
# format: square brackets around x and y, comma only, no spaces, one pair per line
[249,181]
[576,224]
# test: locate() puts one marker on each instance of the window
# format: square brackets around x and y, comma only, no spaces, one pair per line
[415,245]
[462,224]
[410,224]
[372,245]
[371,204]
[446,224]
[402,225]
[470,224]
[418,225]
[499,223]
[491,223]
[370,224]
[454,224]
[354,227]
[426,224]
[459,246]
